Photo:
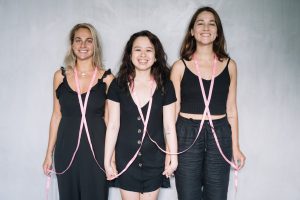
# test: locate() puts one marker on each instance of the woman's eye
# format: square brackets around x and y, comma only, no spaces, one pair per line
[90,41]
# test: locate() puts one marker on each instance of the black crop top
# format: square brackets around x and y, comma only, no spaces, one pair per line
[191,96]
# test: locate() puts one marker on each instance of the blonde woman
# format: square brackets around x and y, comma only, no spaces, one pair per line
[79,147]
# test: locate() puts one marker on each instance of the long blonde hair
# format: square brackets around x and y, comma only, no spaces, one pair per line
[70,58]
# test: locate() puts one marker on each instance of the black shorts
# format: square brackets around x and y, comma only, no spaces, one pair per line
[140,184]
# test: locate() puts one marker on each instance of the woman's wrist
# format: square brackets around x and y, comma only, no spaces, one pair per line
[107,163]
[49,154]
[235,147]
[174,159]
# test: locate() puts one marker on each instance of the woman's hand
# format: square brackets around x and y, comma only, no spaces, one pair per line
[113,165]
[239,158]
[111,171]
[47,165]
[170,167]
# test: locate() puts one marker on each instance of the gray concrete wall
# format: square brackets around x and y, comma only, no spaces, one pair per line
[262,36]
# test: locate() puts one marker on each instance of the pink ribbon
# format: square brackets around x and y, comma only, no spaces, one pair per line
[145,121]
[207,113]
[82,123]
[206,110]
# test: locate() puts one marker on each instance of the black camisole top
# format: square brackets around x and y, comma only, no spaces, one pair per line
[191,96]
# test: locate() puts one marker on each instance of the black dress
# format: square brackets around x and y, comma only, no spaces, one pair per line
[145,173]
[84,180]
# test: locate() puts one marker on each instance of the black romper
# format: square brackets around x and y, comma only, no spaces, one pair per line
[84,180]
[145,173]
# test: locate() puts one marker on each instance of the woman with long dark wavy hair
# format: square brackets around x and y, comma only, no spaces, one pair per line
[205,81]
[141,106]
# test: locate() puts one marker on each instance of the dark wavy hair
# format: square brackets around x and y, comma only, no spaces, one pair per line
[159,70]
[188,46]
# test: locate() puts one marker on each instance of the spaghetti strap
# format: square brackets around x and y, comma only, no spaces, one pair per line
[184,62]
[63,71]
[107,72]
[228,62]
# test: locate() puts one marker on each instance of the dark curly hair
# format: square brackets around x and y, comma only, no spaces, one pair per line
[159,70]
[189,43]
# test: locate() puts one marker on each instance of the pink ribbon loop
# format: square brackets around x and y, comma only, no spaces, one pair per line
[205,113]
[83,111]
[83,123]
[145,122]
[206,102]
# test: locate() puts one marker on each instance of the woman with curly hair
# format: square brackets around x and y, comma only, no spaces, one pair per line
[141,111]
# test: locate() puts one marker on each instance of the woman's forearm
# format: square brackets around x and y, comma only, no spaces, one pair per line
[54,123]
